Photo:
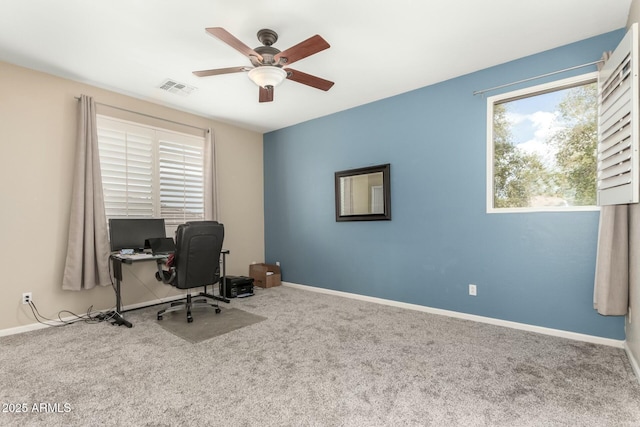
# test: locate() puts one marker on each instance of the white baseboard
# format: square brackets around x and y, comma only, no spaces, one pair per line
[36,326]
[498,322]
[155,302]
[25,328]
[633,361]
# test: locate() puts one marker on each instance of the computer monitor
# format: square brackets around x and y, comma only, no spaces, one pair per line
[130,233]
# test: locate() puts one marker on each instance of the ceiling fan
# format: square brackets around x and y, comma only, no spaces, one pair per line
[268,62]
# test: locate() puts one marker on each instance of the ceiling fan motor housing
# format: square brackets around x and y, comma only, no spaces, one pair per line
[267,53]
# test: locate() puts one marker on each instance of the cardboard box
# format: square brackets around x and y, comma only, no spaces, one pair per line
[265,275]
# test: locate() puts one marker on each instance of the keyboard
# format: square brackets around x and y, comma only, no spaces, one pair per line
[135,256]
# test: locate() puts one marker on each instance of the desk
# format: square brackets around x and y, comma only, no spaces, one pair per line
[117,260]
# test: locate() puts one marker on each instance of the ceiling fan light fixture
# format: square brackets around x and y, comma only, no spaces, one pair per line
[267,75]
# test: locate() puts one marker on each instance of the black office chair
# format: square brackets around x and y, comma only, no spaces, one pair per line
[196,263]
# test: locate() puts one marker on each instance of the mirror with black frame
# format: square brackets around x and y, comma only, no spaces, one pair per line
[363,194]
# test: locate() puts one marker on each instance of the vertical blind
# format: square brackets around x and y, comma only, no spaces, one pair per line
[149,172]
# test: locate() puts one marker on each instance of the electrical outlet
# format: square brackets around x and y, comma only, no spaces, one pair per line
[473,290]
[278,263]
[27,297]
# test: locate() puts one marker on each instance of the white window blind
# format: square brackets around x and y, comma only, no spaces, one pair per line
[126,160]
[618,124]
[181,181]
[149,172]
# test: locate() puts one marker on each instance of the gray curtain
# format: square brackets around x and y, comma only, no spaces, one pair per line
[87,263]
[210,178]
[611,290]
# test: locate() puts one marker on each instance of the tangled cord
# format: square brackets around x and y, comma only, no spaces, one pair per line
[90,317]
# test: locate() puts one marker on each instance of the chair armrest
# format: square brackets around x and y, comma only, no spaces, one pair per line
[163,275]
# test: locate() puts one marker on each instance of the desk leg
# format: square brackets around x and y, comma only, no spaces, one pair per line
[223,279]
[223,282]
[115,316]
[117,273]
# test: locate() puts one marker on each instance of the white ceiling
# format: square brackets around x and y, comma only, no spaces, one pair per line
[379,48]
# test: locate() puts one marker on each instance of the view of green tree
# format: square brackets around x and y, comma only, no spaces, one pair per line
[521,176]
[517,176]
[576,145]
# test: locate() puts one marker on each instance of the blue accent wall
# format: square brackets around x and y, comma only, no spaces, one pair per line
[533,268]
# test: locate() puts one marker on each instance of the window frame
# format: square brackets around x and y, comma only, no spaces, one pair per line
[528,92]
[157,134]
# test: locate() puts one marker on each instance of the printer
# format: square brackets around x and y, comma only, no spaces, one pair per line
[236,286]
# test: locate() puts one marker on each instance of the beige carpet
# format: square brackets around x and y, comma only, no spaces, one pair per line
[317,360]
[206,323]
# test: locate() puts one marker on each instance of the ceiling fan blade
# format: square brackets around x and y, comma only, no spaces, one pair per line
[308,79]
[232,41]
[205,73]
[266,94]
[303,49]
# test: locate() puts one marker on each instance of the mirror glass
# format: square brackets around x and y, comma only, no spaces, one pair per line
[363,194]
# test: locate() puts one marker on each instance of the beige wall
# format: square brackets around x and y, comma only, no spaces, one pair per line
[633,319]
[37,136]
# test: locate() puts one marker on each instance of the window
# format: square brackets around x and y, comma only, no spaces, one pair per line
[151,173]
[542,144]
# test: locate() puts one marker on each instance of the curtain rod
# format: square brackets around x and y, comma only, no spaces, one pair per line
[150,116]
[478,92]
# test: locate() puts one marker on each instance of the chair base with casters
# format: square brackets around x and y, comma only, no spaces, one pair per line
[187,305]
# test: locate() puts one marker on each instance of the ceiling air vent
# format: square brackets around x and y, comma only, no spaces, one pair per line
[173,86]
